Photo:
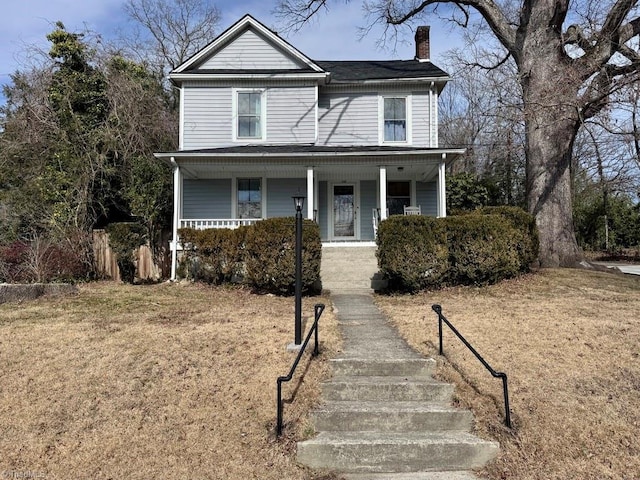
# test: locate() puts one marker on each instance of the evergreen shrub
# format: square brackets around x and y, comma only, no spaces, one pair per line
[270,255]
[214,255]
[482,249]
[412,252]
[262,256]
[525,224]
[478,248]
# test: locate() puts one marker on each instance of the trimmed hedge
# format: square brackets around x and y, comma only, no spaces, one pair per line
[482,247]
[270,255]
[412,252]
[213,255]
[261,256]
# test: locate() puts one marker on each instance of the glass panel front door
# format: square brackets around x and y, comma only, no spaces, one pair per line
[343,211]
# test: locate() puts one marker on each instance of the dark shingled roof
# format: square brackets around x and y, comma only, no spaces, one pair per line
[355,71]
[347,71]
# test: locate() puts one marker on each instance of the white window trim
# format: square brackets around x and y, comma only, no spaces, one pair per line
[263,115]
[408,103]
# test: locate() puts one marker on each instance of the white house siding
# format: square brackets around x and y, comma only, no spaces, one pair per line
[368,201]
[351,116]
[291,114]
[207,116]
[208,113]
[348,118]
[421,118]
[206,198]
[250,51]
[427,198]
[279,193]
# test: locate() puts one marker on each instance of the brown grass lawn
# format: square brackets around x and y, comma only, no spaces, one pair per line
[144,382]
[569,341]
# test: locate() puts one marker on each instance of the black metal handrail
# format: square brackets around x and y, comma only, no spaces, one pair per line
[501,375]
[317,310]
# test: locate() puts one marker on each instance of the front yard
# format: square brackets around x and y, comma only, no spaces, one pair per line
[178,381]
[569,341]
[165,381]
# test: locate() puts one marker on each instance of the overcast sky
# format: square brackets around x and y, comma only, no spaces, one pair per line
[331,36]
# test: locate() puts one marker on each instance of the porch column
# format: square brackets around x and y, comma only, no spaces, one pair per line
[177,197]
[383,193]
[311,205]
[442,197]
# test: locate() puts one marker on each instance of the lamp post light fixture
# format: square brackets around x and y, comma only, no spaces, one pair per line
[298,201]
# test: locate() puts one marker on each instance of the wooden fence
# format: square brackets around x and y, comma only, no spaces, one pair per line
[146,268]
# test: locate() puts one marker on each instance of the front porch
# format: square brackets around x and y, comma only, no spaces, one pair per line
[348,191]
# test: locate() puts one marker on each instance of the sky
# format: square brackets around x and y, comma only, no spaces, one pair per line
[332,35]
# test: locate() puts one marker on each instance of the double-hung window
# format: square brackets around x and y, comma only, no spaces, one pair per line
[395,119]
[250,121]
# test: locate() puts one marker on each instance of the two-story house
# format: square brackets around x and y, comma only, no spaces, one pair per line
[261,122]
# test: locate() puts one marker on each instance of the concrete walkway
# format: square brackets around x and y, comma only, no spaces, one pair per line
[627,268]
[384,415]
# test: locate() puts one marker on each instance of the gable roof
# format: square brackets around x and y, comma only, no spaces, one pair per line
[275,58]
[234,32]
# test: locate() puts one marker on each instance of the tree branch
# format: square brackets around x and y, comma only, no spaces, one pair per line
[611,38]
[489,10]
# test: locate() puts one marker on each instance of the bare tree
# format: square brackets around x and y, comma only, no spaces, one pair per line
[567,72]
[171,31]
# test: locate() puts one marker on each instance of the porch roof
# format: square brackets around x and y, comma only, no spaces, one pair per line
[291,151]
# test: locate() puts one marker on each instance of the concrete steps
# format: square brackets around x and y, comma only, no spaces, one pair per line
[389,416]
[348,268]
[386,388]
[384,415]
[379,452]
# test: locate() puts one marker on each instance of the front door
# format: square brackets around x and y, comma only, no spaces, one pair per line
[344,217]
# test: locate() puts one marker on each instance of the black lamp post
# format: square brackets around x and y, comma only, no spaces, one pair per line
[298,201]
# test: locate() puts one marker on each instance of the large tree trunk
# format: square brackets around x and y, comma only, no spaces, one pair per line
[550,89]
[549,189]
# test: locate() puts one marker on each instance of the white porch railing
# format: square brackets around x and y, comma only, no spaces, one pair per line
[201,224]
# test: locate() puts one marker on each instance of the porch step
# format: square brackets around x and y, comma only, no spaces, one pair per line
[396,452]
[348,268]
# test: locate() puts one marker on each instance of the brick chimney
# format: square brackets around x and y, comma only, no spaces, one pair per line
[423,47]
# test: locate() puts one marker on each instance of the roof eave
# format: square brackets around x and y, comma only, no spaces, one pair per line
[322,77]
[363,153]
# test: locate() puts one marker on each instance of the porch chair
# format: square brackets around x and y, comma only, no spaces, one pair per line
[413,210]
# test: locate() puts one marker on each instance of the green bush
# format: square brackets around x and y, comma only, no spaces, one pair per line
[261,256]
[270,255]
[482,249]
[213,255]
[412,252]
[528,243]
[125,238]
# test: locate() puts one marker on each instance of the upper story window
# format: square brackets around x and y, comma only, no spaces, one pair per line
[395,119]
[250,117]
